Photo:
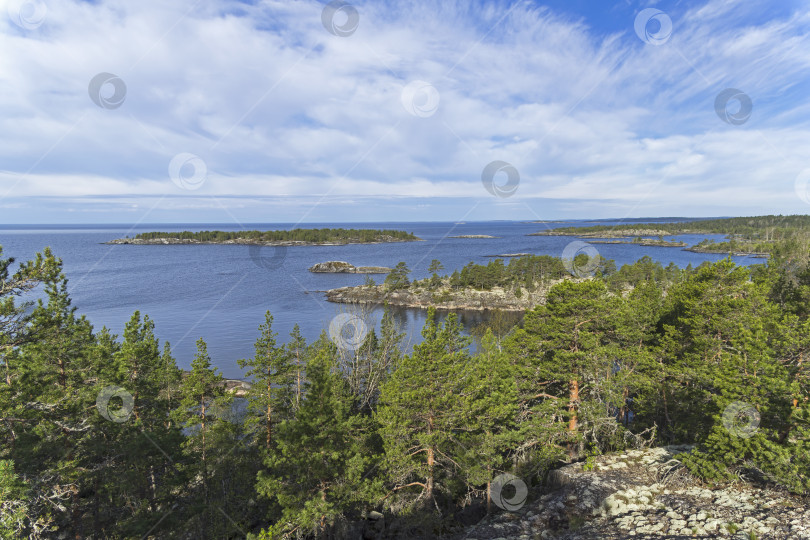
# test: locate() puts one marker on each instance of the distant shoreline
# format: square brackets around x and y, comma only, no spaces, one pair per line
[239,242]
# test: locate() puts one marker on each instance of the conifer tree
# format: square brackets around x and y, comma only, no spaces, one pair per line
[318,461]
[297,351]
[422,405]
[490,433]
[271,373]
[201,402]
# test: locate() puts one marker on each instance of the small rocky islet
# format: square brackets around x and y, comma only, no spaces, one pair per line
[343,267]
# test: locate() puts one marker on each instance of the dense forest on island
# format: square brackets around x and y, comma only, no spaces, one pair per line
[759,234]
[309,236]
[103,436]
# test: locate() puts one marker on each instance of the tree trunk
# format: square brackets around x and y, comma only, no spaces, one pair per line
[431,460]
[204,462]
[573,399]
[489,494]
[269,418]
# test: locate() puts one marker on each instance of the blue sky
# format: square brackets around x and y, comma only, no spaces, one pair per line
[256,112]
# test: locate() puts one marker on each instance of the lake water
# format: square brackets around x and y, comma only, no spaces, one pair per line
[221,293]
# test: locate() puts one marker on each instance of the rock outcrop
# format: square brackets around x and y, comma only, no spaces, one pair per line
[342,267]
[447,299]
[646,494]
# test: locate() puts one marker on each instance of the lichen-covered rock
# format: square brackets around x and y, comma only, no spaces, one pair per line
[648,496]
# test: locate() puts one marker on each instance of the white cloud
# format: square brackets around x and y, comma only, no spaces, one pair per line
[279,109]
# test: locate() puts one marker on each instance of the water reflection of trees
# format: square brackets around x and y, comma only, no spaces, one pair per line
[475,322]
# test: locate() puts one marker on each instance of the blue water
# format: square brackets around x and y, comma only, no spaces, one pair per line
[221,293]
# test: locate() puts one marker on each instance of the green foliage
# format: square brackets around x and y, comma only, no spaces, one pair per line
[398,277]
[422,405]
[316,236]
[17,518]
[273,375]
[320,457]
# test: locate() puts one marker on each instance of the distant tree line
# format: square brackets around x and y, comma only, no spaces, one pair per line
[758,233]
[315,236]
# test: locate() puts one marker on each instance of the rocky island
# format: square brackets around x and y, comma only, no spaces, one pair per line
[601,232]
[294,237]
[342,267]
[660,242]
[518,286]
[443,298]
[473,236]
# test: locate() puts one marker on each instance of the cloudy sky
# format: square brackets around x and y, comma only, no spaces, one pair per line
[124,111]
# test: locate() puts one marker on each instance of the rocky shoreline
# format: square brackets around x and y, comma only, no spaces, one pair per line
[624,233]
[648,242]
[646,494]
[754,254]
[443,298]
[342,267]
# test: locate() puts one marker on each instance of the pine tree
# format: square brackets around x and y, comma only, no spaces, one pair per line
[560,356]
[490,432]
[318,462]
[201,402]
[54,375]
[271,373]
[730,353]
[297,352]
[421,406]
[398,277]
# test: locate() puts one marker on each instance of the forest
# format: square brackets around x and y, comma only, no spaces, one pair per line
[755,234]
[310,236]
[103,436]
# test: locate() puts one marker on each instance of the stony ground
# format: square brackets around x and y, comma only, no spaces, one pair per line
[646,494]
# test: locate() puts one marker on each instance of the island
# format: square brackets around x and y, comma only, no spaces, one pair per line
[342,267]
[510,255]
[294,237]
[473,236]
[660,242]
[756,236]
[731,247]
[603,231]
[521,285]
